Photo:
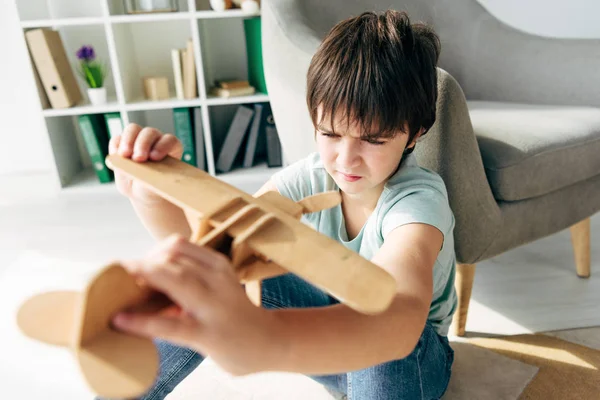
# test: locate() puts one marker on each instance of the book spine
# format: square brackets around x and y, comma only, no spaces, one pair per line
[274,158]
[253,136]
[95,139]
[177,72]
[189,72]
[256,75]
[114,125]
[235,137]
[199,136]
[185,133]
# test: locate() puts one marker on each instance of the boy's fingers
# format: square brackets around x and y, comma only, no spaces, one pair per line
[167,144]
[144,142]
[176,244]
[113,144]
[128,139]
[178,329]
[181,284]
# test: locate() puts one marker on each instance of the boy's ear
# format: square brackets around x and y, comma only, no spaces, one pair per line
[415,139]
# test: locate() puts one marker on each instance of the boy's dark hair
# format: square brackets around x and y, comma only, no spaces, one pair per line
[379,71]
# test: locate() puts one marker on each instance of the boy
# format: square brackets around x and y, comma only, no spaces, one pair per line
[371,93]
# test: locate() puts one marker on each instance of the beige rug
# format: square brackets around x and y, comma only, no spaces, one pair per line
[567,364]
[561,365]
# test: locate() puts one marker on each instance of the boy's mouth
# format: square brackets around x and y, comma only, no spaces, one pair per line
[349,178]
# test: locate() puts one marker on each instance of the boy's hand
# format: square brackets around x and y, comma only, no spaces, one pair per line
[212,313]
[142,144]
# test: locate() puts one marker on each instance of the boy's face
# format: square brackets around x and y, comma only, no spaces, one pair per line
[357,165]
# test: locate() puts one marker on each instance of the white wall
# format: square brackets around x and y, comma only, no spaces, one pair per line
[23,142]
[556,18]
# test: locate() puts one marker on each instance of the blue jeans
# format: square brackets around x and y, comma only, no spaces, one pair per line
[424,374]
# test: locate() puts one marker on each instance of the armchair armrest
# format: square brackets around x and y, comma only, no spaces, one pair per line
[493,61]
[450,149]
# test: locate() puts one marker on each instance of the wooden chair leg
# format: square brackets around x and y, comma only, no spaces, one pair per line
[580,237]
[465,273]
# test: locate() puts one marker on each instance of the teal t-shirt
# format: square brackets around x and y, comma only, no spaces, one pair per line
[412,195]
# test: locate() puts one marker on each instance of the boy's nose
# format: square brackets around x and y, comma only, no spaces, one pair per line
[348,156]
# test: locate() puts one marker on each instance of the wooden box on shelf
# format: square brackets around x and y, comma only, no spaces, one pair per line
[156,87]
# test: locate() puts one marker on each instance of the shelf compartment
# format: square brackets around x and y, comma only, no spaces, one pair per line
[221,58]
[144,49]
[73,37]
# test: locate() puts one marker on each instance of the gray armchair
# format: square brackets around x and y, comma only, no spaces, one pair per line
[517,135]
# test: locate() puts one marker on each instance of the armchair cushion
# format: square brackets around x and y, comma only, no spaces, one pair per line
[532,150]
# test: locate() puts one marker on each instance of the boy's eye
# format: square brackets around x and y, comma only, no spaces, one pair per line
[375,142]
[329,135]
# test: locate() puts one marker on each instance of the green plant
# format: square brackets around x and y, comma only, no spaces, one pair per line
[92,71]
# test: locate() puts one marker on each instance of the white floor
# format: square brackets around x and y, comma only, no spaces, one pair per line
[533,288]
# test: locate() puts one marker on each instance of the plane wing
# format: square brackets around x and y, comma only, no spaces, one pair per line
[264,225]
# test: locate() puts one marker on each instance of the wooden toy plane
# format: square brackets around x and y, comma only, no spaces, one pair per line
[263,238]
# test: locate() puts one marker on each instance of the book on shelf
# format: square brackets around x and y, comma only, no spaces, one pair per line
[274,156]
[114,124]
[256,75]
[189,72]
[184,71]
[234,138]
[177,73]
[231,83]
[184,130]
[44,101]
[233,92]
[95,138]
[50,60]
[255,142]
[199,138]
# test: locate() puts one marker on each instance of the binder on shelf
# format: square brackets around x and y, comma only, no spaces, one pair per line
[44,101]
[185,133]
[199,136]
[235,137]
[177,72]
[189,72]
[256,75]
[274,156]
[261,112]
[95,138]
[114,125]
[50,60]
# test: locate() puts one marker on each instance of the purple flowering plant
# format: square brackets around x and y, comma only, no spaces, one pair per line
[92,71]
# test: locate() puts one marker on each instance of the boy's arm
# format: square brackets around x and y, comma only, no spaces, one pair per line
[162,218]
[337,339]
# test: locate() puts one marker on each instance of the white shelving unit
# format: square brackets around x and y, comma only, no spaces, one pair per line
[134,46]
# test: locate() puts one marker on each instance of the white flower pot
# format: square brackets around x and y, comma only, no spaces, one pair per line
[217,5]
[97,96]
[250,6]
